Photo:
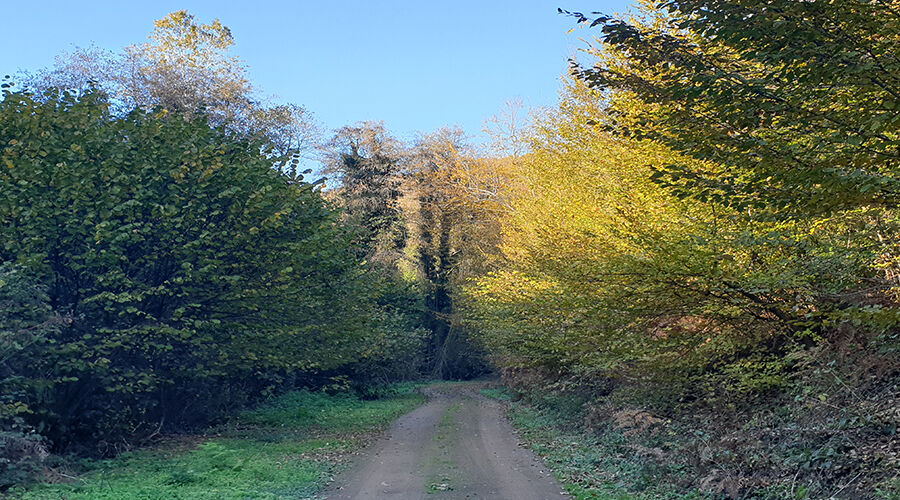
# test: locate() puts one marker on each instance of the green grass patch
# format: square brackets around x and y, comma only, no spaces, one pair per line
[449,416]
[890,490]
[444,472]
[286,449]
[336,413]
[500,393]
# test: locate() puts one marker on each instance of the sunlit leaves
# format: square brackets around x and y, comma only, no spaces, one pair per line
[617,264]
[791,100]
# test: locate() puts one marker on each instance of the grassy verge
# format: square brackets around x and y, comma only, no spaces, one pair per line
[287,449]
[591,465]
[617,452]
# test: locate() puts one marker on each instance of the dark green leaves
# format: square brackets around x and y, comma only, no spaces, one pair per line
[192,270]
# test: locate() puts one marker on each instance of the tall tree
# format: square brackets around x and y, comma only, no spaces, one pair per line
[186,262]
[443,222]
[367,162]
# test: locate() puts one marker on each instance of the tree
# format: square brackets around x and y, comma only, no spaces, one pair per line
[444,233]
[26,323]
[412,219]
[367,162]
[185,67]
[507,130]
[604,275]
[790,105]
[195,275]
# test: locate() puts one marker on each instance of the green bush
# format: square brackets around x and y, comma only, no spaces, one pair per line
[194,273]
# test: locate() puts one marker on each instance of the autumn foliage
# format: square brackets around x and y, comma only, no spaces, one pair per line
[706,223]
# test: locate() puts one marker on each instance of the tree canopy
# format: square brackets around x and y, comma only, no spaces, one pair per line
[792,102]
[184,261]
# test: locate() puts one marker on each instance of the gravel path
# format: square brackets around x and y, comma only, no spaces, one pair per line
[458,445]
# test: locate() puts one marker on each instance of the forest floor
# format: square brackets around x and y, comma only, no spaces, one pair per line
[458,445]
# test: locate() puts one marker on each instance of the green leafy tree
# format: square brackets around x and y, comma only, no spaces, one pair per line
[26,323]
[793,103]
[195,274]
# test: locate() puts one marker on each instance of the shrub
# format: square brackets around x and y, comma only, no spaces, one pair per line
[195,274]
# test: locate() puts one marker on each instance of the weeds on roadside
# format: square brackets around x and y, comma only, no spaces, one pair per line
[811,447]
[287,448]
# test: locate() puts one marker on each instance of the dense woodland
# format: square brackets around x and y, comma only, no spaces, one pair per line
[696,249]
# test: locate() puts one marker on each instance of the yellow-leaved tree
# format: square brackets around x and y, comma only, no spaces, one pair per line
[605,273]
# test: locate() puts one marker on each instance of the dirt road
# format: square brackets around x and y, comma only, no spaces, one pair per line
[458,445]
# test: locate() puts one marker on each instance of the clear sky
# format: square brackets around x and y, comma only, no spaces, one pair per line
[416,65]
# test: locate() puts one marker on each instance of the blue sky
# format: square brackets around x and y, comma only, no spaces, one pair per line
[416,65]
